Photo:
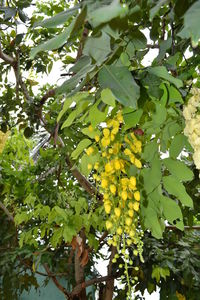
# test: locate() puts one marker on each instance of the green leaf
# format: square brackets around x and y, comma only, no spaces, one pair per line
[54,43]
[178,169]
[70,84]
[156,8]
[58,19]
[162,72]
[61,212]
[191,24]
[96,116]
[174,95]
[138,39]
[106,13]
[98,47]
[150,150]
[176,188]
[159,272]
[57,237]
[80,148]
[90,133]
[151,222]
[76,98]
[132,119]
[177,145]
[120,81]
[107,97]
[76,112]
[68,233]
[172,212]
[85,160]
[152,176]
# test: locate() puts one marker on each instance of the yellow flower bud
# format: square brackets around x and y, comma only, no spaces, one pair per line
[113,189]
[108,168]
[115,130]
[105,142]
[96,165]
[108,225]
[127,151]
[138,163]
[130,213]
[97,138]
[119,231]
[117,211]
[107,208]
[133,180]
[128,221]
[106,132]
[124,195]
[129,242]
[117,165]
[90,128]
[104,183]
[136,206]
[137,196]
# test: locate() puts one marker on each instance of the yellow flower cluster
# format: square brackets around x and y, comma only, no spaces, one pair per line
[3,139]
[192,124]
[119,150]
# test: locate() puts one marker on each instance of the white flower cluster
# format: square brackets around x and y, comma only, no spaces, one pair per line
[192,124]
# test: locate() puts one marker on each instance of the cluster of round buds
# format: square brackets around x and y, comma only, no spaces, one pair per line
[3,139]
[192,124]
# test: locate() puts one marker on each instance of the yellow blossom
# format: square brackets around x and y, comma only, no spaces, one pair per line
[112,137]
[97,138]
[90,128]
[138,163]
[128,221]
[136,206]
[115,130]
[137,196]
[108,225]
[106,196]
[127,151]
[117,211]
[130,213]
[108,168]
[96,165]
[117,165]
[124,195]
[104,183]
[120,117]
[107,208]
[105,142]
[133,180]
[113,189]
[106,132]
[119,230]
[89,151]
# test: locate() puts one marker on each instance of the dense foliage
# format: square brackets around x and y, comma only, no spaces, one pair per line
[105,158]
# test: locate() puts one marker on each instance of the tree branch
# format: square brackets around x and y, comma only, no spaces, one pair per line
[10,217]
[171,227]
[92,281]
[110,283]
[59,286]
[7,58]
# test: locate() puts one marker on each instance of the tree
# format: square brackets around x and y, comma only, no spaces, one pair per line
[108,158]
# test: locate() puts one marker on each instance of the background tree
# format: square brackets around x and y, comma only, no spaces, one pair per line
[101,160]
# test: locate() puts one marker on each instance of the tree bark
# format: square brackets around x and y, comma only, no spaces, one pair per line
[110,283]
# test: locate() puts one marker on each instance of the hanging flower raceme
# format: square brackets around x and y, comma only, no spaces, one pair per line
[119,152]
[192,124]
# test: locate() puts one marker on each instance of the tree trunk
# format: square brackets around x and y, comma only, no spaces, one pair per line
[110,283]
